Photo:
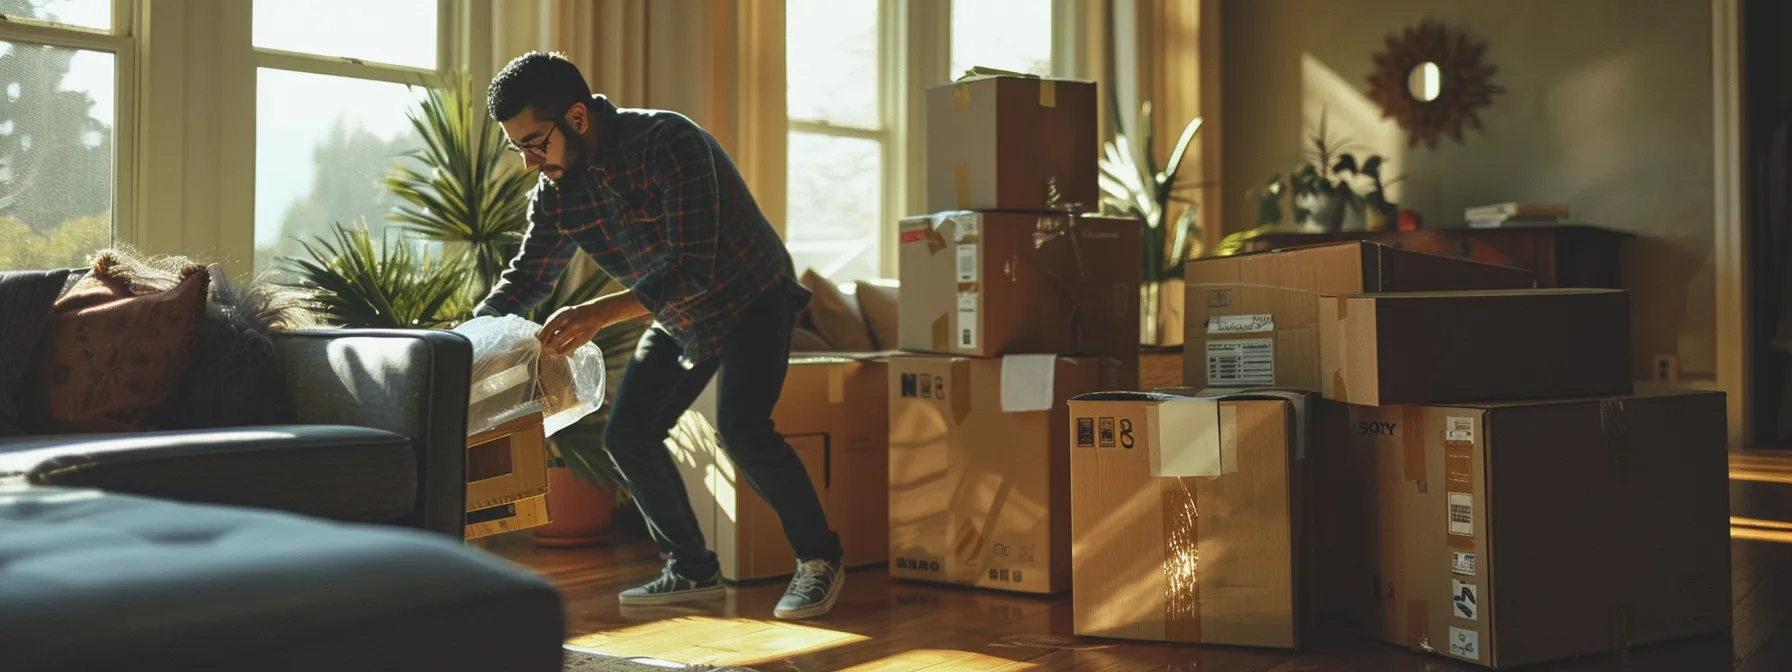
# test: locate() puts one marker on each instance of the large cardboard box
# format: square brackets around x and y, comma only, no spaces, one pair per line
[986,284]
[1443,347]
[833,411]
[507,478]
[1186,520]
[979,470]
[1012,143]
[1253,319]
[1509,534]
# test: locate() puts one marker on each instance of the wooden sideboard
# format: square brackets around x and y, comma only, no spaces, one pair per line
[1561,256]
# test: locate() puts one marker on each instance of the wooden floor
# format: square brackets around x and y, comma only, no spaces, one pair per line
[880,624]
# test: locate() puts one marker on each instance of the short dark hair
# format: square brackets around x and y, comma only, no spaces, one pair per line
[546,82]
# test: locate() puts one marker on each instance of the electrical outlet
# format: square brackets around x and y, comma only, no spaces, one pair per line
[1667,369]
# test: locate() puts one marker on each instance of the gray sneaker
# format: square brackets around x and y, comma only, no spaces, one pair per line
[670,588]
[812,591]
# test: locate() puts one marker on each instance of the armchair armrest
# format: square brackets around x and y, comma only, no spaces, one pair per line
[413,383]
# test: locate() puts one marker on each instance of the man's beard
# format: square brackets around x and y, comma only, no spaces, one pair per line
[577,154]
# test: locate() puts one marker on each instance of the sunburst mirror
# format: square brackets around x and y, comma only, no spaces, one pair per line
[1431,80]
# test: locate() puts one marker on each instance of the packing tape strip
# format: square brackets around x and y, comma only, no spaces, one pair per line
[961,390]
[1229,439]
[961,184]
[1412,442]
[942,332]
[961,96]
[1048,93]
[837,384]
[1182,597]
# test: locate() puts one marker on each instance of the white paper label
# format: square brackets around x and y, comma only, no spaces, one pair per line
[1462,563]
[967,321]
[1459,429]
[1185,438]
[1246,362]
[1241,324]
[1462,514]
[967,262]
[1465,643]
[1027,382]
[967,226]
[1465,603]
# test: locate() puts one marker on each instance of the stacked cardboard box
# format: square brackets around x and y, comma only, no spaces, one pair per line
[833,411]
[1012,303]
[1185,515]
[1508,497]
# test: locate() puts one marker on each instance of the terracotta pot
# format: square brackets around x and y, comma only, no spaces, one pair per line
[580,514]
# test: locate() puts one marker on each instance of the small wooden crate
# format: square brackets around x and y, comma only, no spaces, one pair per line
[507,478]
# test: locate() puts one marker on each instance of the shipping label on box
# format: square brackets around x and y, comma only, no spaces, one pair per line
[977,475]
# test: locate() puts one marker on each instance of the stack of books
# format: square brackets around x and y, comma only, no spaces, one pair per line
[1502,215]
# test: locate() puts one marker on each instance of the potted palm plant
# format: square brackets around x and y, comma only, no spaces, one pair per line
[466,194]
[1148,192]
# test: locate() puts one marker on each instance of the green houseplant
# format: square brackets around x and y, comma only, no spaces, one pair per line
[1149,192]
[465,193]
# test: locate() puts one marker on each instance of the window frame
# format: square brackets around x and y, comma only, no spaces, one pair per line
[450,50]
[121,42]
[914,53]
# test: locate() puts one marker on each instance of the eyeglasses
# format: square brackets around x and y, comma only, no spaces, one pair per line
[539,147]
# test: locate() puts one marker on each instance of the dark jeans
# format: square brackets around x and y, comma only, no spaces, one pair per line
[655,392]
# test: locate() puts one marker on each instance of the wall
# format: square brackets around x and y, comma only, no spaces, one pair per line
[1607,108]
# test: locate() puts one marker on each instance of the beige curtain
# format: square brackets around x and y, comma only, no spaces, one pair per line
[1176,44]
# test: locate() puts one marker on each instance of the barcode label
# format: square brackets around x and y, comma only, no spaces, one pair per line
[967,262]
[1241,363]
[1462,563]
[967,321]
[1459,429]
[1462,514]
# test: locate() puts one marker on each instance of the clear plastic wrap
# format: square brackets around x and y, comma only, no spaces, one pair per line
[514,377]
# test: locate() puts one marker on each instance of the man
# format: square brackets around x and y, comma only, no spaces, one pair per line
[658,205]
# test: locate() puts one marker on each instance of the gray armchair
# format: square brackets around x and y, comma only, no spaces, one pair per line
[380,437]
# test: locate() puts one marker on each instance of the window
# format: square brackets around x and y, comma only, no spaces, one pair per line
[846,187]
[59,113]
[839,135]
[1014,35]
[332,106]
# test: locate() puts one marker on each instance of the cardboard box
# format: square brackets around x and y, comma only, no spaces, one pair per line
[519,515]
[1444,347]
[1253,319]
[833,412]
[1012,143]
[979,495]
[1509,534]
[986,284]
[1186,518]
[506,465]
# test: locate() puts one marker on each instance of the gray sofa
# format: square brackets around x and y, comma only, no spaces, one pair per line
[380,437]
[181,550]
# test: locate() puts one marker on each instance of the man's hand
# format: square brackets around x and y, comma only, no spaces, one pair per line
[572,327]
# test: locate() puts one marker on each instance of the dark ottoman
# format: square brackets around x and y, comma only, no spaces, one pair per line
[91,580]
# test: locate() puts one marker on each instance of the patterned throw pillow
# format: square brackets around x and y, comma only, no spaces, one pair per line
[25,301]
[110,360]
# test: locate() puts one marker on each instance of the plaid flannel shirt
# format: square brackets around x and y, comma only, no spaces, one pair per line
[661,209]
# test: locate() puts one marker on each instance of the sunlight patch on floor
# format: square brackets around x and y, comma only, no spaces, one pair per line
[702,640]
[940,660]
